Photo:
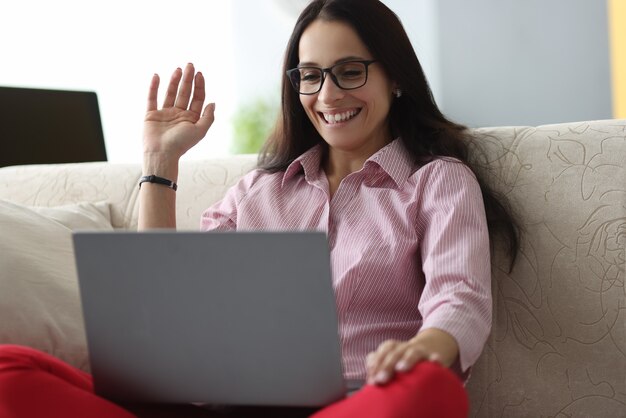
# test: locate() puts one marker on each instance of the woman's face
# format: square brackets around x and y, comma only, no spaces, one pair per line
[363,126]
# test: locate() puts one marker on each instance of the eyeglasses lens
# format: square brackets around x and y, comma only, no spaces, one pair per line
[348,75]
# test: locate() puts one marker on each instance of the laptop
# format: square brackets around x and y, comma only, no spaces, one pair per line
[223,318]
[43,126]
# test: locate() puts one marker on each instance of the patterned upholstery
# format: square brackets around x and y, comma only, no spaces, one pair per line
[201,183]
[558,344]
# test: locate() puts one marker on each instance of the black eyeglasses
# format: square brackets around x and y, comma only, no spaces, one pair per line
[347,75]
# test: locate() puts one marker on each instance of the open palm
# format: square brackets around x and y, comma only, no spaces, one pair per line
[180,123]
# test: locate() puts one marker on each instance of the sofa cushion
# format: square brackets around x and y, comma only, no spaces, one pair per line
[39,299]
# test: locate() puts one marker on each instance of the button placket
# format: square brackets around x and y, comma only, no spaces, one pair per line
[342,197]
[332,233]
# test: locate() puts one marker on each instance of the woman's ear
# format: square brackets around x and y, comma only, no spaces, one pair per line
[396,90]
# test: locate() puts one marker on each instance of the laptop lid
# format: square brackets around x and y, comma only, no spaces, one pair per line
[246,318]
[42,126]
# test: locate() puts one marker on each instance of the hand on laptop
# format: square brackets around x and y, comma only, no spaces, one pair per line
[180,123]
[400,356]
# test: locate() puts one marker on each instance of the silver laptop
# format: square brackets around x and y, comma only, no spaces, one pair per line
[244,318]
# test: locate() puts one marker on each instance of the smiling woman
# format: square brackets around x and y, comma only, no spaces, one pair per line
[362,153]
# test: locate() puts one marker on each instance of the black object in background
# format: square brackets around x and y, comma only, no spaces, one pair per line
[40,126]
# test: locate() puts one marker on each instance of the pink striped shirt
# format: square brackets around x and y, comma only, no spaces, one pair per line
[409,246]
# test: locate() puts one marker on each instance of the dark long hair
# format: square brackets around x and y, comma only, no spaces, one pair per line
[414,117]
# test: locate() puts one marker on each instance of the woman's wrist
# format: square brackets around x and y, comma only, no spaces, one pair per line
[161,165]
[437,342]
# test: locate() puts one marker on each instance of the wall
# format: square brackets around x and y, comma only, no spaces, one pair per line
[489,62]
[617,31]
[113,48]
[511,62]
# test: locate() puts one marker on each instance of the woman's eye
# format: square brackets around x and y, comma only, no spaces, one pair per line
[309,77]
[352,73]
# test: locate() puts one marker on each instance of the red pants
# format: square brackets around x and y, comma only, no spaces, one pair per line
[34,384]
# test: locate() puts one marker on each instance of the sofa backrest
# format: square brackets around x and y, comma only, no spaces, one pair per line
[200,184]
[558,342]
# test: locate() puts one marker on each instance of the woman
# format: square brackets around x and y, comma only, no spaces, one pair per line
[362,153]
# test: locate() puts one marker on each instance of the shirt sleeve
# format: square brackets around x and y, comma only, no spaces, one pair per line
[455,259]
[222,215]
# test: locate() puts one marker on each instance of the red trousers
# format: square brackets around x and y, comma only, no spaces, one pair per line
[34,384]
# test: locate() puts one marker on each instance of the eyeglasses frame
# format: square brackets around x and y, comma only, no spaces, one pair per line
[329,71]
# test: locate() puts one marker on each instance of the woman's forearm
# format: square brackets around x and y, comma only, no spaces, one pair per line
[169,132]
[157,203]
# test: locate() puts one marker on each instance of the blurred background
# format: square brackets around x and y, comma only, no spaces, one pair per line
[489,62]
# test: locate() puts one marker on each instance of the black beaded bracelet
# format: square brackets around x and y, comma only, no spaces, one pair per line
[159,180]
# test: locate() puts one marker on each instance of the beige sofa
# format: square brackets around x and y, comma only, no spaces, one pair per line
[558,345]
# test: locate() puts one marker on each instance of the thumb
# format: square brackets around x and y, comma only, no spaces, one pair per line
[208,116]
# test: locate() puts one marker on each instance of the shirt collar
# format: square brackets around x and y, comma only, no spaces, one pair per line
[309,162]
[393,159]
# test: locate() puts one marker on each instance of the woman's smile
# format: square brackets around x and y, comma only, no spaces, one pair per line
[339,118]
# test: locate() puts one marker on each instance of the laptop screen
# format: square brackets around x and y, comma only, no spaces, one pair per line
[40,126]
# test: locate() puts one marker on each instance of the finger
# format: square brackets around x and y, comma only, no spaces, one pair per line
[198,94]
[436,357]
[205,122]
[172,88]
[371,364]
[375,359]
[411,356]
[152,93]
[387,367]
[182,100]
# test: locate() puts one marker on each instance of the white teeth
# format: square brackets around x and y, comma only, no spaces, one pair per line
[339,117]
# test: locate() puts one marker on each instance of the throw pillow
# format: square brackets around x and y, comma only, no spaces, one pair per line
[39,298]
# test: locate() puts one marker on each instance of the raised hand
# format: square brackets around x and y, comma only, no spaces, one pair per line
[180,123]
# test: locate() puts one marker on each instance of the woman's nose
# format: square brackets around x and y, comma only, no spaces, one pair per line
[329,91]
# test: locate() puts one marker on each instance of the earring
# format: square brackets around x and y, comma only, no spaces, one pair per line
[398,93]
